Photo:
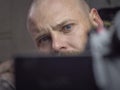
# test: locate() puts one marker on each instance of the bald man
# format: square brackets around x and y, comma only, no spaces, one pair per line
[62,26]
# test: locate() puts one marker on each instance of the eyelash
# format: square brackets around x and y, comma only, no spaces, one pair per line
[67,30]
[44,39]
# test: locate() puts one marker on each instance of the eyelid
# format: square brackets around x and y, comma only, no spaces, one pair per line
[40,37]
[68,24]
[71,24]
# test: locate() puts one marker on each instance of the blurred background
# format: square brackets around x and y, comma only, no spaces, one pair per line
[14,37]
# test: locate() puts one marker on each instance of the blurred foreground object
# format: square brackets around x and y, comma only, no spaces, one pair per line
[105,47]
[47,72]
[6,75]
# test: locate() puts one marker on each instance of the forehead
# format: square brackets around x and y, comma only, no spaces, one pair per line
[55,11]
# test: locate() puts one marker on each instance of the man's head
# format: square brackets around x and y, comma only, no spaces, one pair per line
[61,26]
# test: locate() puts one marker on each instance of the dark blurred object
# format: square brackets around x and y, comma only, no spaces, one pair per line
[115,38]
[108,14]
[115,48]
[40,72]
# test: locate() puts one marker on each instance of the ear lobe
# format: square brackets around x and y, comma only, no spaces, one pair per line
[95,18]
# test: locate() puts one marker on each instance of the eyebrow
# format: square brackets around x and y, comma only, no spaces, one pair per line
[41,34]
[39,37]
[58,26]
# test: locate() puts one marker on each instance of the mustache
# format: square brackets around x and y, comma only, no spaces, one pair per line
[57,53]
[71,53]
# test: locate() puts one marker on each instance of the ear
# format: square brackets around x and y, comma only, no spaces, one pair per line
[95,19]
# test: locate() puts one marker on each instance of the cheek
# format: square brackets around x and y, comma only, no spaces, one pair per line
[78,39]
[45,48]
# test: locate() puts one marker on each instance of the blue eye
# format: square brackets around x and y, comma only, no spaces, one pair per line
[67,27]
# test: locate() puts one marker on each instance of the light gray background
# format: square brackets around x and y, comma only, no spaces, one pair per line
[14,37]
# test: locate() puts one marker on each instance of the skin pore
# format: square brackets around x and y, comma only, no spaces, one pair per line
[61,26]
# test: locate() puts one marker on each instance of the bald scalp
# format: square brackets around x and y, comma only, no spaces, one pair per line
[82,3]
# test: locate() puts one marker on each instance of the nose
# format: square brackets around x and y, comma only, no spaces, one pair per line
[58,43]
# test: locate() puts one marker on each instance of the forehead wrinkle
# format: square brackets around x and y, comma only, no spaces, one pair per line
[61,24]
[44,16]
